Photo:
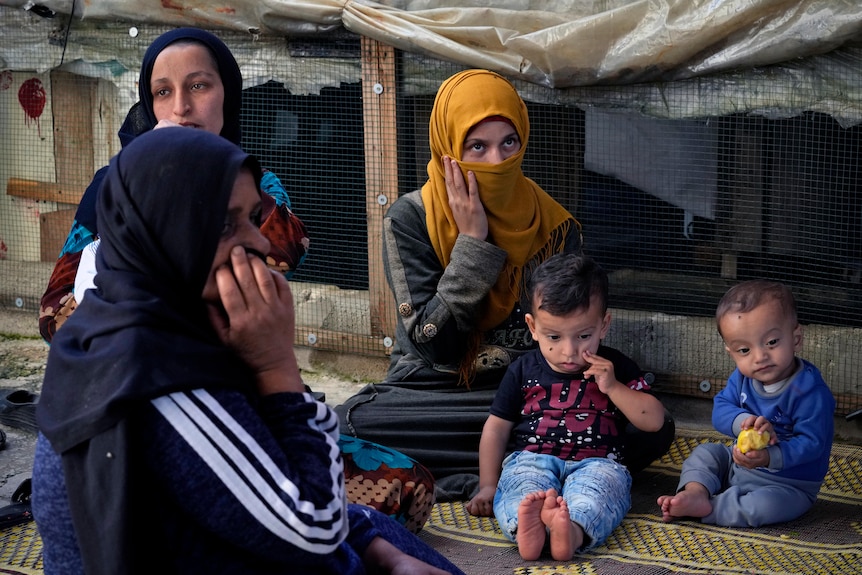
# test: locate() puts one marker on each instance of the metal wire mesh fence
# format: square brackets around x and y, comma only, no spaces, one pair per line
[678,201]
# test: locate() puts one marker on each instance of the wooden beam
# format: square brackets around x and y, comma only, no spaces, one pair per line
[689,385]
[64,193]
[340,341]
[696,387]
[381,172]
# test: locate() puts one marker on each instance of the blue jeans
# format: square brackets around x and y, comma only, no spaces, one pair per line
[597,491]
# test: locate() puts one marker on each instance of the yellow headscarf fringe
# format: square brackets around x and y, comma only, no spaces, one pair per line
[555,245]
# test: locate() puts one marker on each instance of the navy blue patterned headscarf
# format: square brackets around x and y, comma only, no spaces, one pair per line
[145,332]
[141,117]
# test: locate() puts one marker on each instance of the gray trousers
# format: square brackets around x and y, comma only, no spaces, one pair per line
[745,497]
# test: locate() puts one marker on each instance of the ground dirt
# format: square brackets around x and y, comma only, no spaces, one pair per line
[22,366]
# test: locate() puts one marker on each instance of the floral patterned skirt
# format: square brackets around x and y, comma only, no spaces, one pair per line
[388,481]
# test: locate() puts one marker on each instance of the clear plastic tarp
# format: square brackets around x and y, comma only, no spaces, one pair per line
[554,43]
[562,44]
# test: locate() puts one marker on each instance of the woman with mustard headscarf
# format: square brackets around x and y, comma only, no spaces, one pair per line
[457,255]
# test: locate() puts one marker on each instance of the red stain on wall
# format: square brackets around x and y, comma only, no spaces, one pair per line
[3,250]
[5,79]
[33,213]
[31,96]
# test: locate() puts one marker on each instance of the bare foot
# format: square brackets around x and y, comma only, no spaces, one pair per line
[693,501]
[664,503]
[531,531]
[566,535]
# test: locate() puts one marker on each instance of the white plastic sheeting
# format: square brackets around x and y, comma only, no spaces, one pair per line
[553,43]
[651,47]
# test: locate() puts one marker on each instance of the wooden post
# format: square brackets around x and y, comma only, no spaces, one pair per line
[739,216]
[73,99]
[381,172]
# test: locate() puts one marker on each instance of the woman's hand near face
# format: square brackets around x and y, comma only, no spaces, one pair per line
[467,208]
[260,321]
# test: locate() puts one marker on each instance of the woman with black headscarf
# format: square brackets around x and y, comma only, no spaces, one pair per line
[177,433]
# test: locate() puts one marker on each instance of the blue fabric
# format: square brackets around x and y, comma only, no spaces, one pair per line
[597,491]
[60,553]
[79,237]
[271,185]
[62,556]
[369,456]
[365,521]
[801,416]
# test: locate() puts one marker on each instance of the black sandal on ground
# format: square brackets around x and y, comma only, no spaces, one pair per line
[18,409]
[19,512]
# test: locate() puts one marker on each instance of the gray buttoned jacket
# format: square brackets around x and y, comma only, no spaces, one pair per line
[437,307]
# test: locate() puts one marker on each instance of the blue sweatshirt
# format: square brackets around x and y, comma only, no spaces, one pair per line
[801,413]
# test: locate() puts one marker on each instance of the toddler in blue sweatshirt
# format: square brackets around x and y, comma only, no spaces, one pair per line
[773,391]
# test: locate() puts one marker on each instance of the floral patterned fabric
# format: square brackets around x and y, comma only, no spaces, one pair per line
[57,302]
[388,481]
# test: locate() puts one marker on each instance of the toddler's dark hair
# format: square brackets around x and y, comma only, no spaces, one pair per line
[746,296]
[566,282]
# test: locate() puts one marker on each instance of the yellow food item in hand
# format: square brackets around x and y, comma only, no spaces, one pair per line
[750,439]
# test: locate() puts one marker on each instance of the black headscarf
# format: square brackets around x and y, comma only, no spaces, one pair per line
[141,117]
[145,332]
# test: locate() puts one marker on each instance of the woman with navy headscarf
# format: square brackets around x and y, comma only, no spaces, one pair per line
[189,78]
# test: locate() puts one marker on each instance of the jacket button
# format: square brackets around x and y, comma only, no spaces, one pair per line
[405,309]
[429,329]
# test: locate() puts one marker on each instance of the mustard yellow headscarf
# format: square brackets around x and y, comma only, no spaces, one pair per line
[522,218]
